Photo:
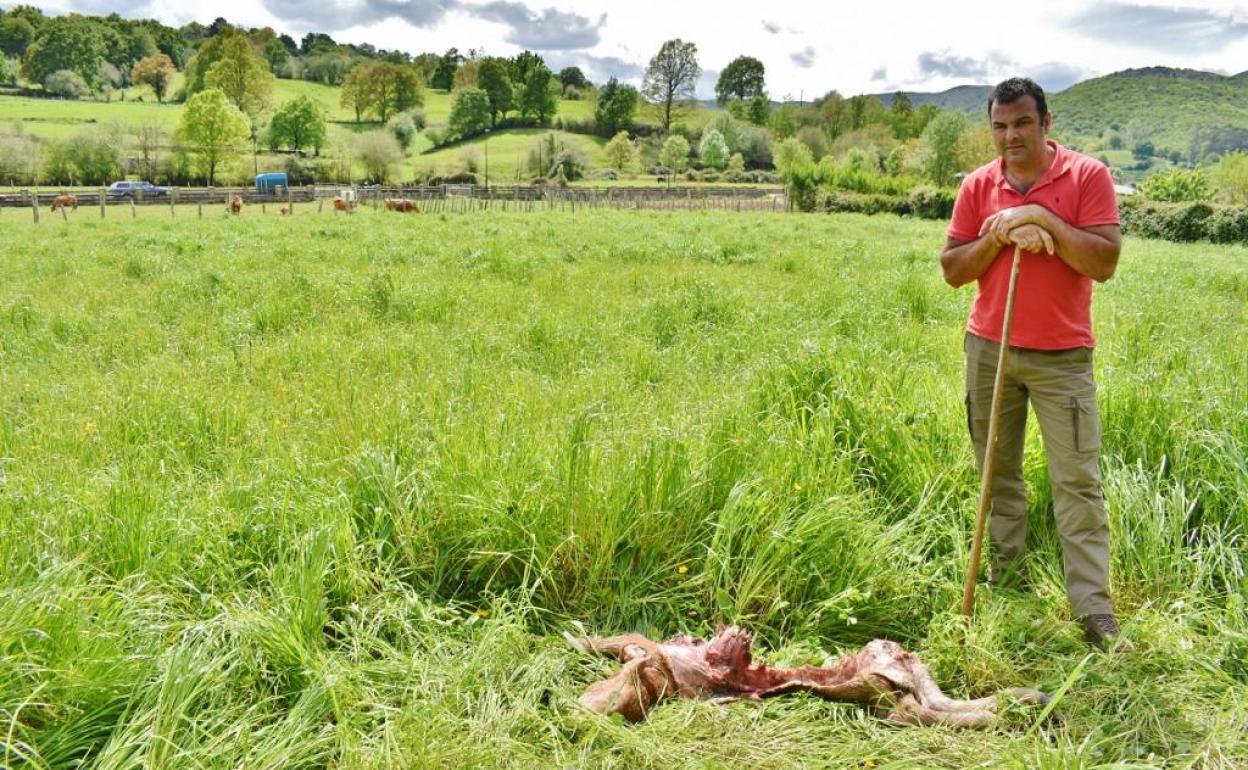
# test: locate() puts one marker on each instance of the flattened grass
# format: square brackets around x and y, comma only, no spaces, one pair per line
[323,492]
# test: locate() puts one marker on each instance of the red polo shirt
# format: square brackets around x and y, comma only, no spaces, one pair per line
[1053,303]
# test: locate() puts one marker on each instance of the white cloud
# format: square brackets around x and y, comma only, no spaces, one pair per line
[842,46]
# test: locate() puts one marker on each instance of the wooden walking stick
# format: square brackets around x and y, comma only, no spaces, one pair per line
[990,447]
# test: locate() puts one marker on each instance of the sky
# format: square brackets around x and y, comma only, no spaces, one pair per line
[806,48]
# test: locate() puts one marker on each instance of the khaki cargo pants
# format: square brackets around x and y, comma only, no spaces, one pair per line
[1060,387]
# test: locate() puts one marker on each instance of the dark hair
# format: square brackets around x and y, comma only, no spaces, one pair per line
[1016,88]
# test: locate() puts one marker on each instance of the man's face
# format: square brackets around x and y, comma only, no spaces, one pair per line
[1019,129]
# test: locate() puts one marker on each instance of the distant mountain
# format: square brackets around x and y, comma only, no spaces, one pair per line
[969,99]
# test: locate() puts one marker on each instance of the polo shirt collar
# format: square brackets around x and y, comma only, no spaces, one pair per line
[1060,165]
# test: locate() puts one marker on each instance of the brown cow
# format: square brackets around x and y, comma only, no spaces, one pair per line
[283,211]
[236,205]
[342,204]
[65,201]
[403,205]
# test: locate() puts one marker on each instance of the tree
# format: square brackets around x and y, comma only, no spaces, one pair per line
[675,153]
[379,152]
[241,75]
[65,43]
[8,71]
[616,107]
[1177,185]
[939,147]
[444,75]
[466,75]
[620,152]
[1143,150]
[792,154]
[1231,178]
[572,77]
[297,124]
[671,77]
[155,71]
[148,139]
[66,84]
[713,150]
[537,96]
[975,147]
[470,113]
[382,88]
[211,127]
[759,110]
[357,91]
[742,79]
[16,35]
[523,65]
[902,115]
[87,157]
[493,78]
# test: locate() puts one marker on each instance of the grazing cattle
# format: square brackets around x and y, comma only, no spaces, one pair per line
[343,204]
[65,201]
[236,205]
[403,205]
[894,682]
[284,211]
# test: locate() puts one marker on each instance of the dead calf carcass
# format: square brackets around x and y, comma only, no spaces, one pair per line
[894,682]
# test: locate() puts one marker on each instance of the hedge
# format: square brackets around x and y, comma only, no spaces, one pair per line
[1184,222]
[1181,222]
[922,202]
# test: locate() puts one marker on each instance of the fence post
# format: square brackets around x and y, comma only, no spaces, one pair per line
[133,213]
[199,206]
[64,214]
[173,199]
[103,196]
[290,202]
[34,205]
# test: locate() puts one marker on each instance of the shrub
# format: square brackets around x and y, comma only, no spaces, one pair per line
[713,150]
[1181,222]
[1229,224]
[1177,185]
[865,203]
[932,202]
[380,153]
[66,84]
[88,157]
[603,174]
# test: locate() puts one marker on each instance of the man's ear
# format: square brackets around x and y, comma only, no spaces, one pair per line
[1047,122]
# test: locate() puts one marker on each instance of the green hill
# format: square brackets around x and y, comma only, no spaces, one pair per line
[1168,107]
[968,99]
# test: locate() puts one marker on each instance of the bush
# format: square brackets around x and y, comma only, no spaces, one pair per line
[87,157]
[1181,222]
[406,125]
[603,174]
[932,202]
[379,152]
[1229,224]
[1177,185]
[66,84]
[865,203]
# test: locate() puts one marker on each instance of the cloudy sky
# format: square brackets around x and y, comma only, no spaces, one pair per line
[807,48]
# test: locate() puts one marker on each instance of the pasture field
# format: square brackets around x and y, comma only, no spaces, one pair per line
[325,492]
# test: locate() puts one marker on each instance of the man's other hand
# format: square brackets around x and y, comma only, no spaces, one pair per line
[1033,238]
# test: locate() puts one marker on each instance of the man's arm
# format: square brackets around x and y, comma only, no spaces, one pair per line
[964,261]
[1091,251]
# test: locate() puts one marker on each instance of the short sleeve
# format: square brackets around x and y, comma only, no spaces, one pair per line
[964,226]
[1098,203]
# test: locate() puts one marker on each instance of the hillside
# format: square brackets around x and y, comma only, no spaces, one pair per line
[1168,107]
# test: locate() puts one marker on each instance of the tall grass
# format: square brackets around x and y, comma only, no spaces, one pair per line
[323,492]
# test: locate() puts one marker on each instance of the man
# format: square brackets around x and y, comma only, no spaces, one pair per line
[1059,207]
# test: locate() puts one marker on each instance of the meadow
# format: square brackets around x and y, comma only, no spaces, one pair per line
[326,492]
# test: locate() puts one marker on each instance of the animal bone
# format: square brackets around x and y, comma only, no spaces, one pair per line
[894,682]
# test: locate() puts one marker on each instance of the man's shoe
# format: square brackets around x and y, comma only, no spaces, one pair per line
[1102,631]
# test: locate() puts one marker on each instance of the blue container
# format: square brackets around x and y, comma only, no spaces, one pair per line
[269,182]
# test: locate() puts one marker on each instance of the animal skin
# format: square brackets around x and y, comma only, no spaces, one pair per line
[65,201]
[895,683]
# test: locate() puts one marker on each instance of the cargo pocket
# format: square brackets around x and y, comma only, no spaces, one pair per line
[1086,424]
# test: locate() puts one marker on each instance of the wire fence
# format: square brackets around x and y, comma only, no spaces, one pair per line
[416,198]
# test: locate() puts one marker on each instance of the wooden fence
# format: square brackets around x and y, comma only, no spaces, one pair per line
[428,198]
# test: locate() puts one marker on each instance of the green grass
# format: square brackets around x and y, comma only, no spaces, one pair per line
[323,492]
[508,150]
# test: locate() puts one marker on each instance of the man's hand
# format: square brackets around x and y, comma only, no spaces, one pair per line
[1001,223]
[1033,238]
